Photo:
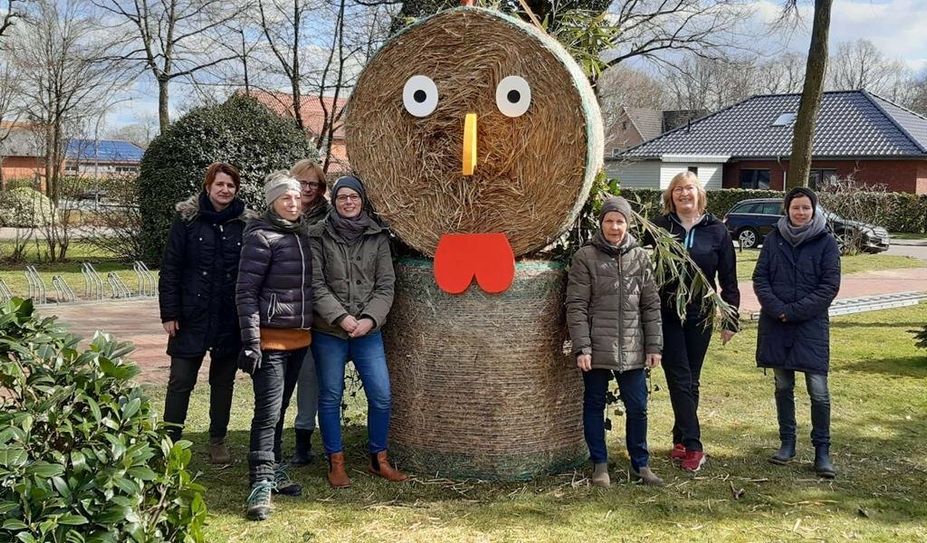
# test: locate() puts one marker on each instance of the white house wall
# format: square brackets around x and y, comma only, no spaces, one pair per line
[635,175]
[709,174]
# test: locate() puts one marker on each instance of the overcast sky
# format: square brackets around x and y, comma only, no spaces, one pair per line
[897,27]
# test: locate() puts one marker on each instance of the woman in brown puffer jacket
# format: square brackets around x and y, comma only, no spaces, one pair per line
[613,313]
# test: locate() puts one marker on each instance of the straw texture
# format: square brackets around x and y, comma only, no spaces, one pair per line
[533,172]
[481,385]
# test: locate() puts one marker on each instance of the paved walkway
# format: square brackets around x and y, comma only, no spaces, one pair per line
[138,320]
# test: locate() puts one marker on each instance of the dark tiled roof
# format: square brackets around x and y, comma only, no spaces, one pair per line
[649,122]
[849,124]
[104,150]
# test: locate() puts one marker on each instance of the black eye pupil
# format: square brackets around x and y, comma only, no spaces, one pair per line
[514,96]
[419,96]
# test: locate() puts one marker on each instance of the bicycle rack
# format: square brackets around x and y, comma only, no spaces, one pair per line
[146,280]
[119,289]
[5,293]
[37,289]
[63,291]
[93,283]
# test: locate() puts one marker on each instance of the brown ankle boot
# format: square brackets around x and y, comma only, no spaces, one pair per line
[379,465]
[337,477]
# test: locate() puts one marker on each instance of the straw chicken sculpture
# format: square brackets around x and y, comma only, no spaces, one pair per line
[478,138]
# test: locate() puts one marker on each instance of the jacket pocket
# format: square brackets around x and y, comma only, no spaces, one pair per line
[271,308]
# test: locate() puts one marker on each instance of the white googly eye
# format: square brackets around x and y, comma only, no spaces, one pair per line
[513,96]
[420,95]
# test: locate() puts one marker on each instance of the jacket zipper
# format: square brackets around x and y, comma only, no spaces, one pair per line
[620,314]
[272,308]
[302,287]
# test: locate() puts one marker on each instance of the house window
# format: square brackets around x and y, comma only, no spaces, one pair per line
[693,169]
[754,179]
[785,119]
[818,178]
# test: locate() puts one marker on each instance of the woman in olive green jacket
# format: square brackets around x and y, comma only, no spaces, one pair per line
[352,282]
[613,314]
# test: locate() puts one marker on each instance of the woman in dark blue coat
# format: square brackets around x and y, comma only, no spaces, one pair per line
[197,301]
[796,278]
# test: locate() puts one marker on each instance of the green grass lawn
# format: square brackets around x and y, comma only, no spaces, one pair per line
[879,396]
[746,262]
[907,235]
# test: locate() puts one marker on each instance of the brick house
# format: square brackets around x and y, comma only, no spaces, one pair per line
[634,125]
[313,112]
[748,145]
[21,156]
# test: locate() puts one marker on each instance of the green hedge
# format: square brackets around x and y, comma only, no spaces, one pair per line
[241,132]
[896,211]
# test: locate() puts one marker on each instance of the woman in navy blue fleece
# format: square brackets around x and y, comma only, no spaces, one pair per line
[685,341]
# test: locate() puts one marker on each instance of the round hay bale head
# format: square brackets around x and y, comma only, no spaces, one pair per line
[534,167]
[481,385]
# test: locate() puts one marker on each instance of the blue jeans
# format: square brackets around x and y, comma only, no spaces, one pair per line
[273,385]
[632,385]
[331,355]
[816,384]
[307,395]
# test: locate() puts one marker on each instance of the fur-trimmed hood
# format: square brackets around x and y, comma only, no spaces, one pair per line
[189,210]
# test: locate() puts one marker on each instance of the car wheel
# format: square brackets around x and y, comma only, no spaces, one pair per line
[748,238]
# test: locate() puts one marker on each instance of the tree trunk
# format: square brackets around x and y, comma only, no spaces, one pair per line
[164,119]
[800,163]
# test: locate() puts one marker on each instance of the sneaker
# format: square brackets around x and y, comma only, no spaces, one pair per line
[693,461]
[283,484]
[218,452]
[678,452]
[259,505]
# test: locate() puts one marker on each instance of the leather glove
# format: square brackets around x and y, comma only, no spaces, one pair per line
[249,359]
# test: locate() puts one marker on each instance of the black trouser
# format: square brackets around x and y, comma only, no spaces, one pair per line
[181,382]
[684,346]
[273,384]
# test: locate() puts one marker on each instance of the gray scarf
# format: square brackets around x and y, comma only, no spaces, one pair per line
[796,235]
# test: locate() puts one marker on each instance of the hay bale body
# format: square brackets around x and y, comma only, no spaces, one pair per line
[533,172]
[481,386]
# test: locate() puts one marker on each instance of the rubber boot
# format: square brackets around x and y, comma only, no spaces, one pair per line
[379,465]
[785,454]
[303,454]
[822,464]
[218,452]
[337,477]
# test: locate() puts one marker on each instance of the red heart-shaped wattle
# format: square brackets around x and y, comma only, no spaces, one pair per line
[461,257]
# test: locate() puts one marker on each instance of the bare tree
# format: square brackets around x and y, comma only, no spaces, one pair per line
[172,39]
[60,56]
[861,65]
[781,75]
[816,67]
[8,16]
[918,99]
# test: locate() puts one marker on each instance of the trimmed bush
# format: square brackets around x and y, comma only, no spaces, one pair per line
[241,132]
[82,457]
[28,183]
[25,207]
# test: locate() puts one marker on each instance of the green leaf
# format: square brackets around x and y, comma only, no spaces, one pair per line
[6,507]
[45,470]
[72,520]
[14,524]
[26,537]
[143,472]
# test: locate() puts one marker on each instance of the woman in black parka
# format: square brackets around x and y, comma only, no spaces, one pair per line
[796,278]
[197,298]
[274,300]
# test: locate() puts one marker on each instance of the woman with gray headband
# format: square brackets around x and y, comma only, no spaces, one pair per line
[274,300]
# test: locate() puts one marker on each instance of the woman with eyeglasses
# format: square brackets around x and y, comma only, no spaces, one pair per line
[352,286]
[315,207]
[685,341]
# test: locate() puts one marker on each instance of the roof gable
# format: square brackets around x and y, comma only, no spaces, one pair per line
[849,124]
